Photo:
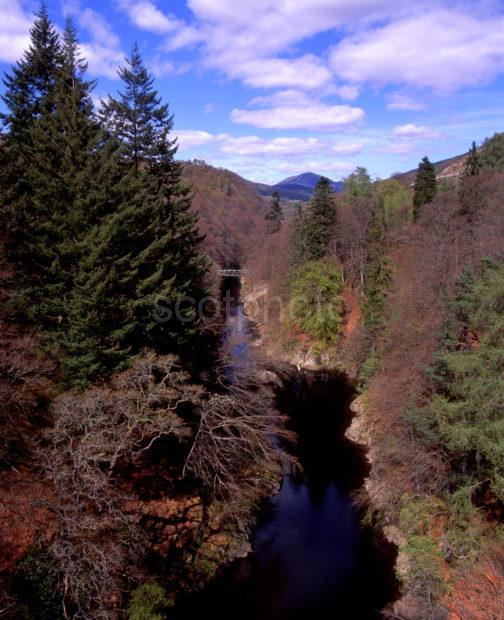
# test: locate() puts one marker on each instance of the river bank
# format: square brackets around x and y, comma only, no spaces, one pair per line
[311,556]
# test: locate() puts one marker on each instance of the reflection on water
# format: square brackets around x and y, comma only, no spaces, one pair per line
[310,560]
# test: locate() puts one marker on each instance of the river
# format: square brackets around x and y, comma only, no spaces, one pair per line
[311,558]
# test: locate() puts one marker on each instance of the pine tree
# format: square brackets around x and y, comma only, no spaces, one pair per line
[145,257]
[470,195]
[139,120]
[27,88]
[274,217]
[472,163]
[425,186]
[322,218]
[73,181]
[298,239]
[379,272]
[32,78]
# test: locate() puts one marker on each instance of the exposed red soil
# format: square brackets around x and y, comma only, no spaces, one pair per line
[24,516]
[479,595]
[353,311]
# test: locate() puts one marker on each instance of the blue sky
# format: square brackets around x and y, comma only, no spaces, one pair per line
[272,88]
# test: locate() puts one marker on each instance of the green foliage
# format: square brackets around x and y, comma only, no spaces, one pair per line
[472,164]
[378,275]
[396,201]
[274,216]
[316,303]
[298,239]
[31,80]
[426,567]
[138,119]
[36,587]
[358,184]
[423,422]
[465,415]
[470,195]
[425,186]
[145,253]
[321,220]
[67,177]
[492,153]
[147,602]
[368,369]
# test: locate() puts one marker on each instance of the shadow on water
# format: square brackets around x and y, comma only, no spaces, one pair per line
[311,559]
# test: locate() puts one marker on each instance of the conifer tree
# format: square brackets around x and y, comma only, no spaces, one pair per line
[472,163]
[299,238]
[139,120]
[470,195]
[32,78]
[322,218]
[27,85]
[145,257]
[274,217]
[378,273]
[73,181]
[425,186]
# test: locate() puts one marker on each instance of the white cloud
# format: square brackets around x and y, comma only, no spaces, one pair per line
[442,49]
[147,16]
[103,53]
[190,138]
[306,72]
[255,146]
[282,97]
[397,148]
[416,131]
[247,42]
[348,148]
[349,92]
[14,30]
[209,108]
[401,102]
[317,117]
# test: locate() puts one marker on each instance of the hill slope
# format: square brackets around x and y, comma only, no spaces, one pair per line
[231,212]
[299,187]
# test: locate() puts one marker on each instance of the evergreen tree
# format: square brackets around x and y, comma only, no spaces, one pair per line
[274,217]
[145,256]
[470,195]
[425,186]
[32,78]
[472,163]
[379,273]
[322,218]
[27,88]
[139,120]
[358,184]
[492,153]
[298,241]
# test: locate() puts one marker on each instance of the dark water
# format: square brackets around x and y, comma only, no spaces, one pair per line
[311,558]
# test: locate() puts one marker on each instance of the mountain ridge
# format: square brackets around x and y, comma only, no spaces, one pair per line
[298,187]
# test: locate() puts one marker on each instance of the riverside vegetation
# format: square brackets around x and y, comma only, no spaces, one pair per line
[422,267]
[134,464]
[130,468]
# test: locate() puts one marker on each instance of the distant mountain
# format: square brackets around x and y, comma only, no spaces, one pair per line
[298,187]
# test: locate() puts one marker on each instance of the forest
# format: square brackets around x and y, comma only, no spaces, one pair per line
[131,465]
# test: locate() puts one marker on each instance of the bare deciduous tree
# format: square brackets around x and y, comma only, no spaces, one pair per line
[95,432]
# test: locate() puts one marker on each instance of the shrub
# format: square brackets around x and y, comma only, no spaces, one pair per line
[36,587]
[316,303]
[147,602]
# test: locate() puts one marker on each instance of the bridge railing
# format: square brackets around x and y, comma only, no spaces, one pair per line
[237,273]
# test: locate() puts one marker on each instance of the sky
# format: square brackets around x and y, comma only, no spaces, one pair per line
[274,88]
